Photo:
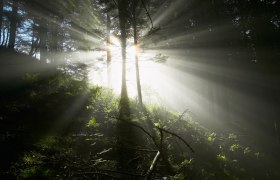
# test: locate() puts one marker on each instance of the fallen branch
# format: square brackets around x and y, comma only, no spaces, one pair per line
[160,152]
[144,150]
[173,134]
[179,118]
[153,165]
[139,127]
[156,158]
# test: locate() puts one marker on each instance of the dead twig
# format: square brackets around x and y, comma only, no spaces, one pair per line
[179,118]
[156,158]
[153,165]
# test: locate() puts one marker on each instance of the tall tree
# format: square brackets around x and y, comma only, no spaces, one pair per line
[39,13]
[122,8]
[1,16]
[108,9]
[135,36]
[109,53]
[43,39]
[13,24]
[34,41]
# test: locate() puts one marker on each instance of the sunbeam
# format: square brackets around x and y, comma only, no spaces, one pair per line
[139,89]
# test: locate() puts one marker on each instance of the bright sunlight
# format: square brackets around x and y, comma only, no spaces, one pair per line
[151,72]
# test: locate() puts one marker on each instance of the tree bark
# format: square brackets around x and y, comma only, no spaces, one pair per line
[43,40]
[7,37]
[122,7]
[3,37]
[13,25]
[122,12]
[109,54]
[54,41]
[1,17]
[135,35]
[32,47]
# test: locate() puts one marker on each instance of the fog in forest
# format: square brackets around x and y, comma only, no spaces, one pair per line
[140,89]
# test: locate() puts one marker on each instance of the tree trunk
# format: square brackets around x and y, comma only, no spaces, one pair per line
[31,52]
[136,54]
[43,40]
[7,37]
[13,25]
[3,37]
[109,54]
[122,7]
[126,135]
[1,17]
[54,41]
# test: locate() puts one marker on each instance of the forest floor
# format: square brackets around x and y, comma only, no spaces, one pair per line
[54,125]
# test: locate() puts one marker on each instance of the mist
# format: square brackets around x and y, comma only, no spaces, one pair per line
[139,89]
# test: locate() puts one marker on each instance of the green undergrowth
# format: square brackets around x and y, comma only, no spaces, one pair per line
[59,127]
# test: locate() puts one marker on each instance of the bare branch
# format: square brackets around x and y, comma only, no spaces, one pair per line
[153,165]
[183,113]
[173,134]
[144,150]
[147,12]
[139,127]
[179,118]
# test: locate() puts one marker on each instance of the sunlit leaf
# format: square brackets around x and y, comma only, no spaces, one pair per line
[92,122]
[222,157]
[234,147]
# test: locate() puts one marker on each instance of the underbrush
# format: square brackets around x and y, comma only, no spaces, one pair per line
[57,126]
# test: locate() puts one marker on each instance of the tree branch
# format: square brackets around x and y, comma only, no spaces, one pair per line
[148,14]
[179,118]
[173,134]
[153,165]
[139,127]
[144,150]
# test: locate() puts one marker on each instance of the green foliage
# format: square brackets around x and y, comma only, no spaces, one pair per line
[247,150]
[232,136]
[212,137]
[92,122]
[32,158]
[186,162]
[53,142]
[35,173]
[88,139]
[234,147]
[222,157]
[31,167]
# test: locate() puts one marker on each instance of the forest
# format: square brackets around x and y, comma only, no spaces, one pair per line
[140,89]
